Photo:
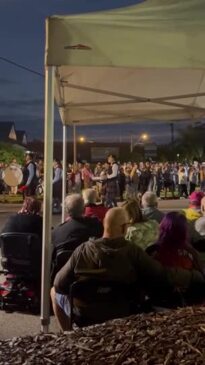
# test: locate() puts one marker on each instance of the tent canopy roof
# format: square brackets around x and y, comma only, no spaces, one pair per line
[144,62]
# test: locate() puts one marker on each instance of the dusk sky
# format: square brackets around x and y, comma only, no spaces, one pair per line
[22,39]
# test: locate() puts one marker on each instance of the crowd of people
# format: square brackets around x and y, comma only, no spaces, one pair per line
[135,243]
[112,179]
[136,178]
[131,242]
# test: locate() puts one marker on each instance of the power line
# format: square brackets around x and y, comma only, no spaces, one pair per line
[21,66]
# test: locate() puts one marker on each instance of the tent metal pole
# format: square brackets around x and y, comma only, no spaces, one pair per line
[161,101]
[74,145]
[47,202]
[131,143]
[64,171]
[132,101]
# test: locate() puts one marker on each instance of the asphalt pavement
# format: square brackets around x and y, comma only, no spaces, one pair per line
[17,324]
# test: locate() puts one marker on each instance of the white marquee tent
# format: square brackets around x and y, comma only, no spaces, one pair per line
[144,62]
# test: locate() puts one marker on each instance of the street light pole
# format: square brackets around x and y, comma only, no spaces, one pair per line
[172,133]
[74,145]
[131,143]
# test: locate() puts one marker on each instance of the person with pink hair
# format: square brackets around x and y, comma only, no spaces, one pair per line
[172,248]
[193,212]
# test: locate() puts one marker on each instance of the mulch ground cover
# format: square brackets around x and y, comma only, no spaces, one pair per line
[166,338]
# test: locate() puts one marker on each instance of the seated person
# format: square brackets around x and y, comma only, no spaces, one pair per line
[27,220]
[199,243]
[91,208]
[193,212]
[123,262]
[77,228]
[200,222]
[149,205]
[142,232]
[172,248]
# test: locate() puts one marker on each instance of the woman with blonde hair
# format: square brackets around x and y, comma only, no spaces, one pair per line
[142,232]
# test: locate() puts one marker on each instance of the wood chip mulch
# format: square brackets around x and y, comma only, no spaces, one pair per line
[166,338]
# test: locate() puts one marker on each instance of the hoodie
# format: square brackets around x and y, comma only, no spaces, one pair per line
[121,261]
[192,214]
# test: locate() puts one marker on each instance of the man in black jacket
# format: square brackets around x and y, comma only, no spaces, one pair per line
[76,229]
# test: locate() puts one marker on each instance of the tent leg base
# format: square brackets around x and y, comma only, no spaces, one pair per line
[45,325]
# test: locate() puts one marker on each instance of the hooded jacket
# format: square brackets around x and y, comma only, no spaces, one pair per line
[121,261]
[191,214]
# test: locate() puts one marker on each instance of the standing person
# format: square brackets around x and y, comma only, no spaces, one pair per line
[145,178]
[57,186]
[112,182]
[168,182]
[135,173]
[87,176]
[202,177]
[128,187]
[30,179]
[192,179]
[14,164]
[174,174]
[159,180]
[121,181]
[78,183]
[183,181]
[70,178]
[97,171]
[2,186]
[103,181]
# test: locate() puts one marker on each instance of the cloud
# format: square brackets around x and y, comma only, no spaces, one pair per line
[4,81]
[21,103]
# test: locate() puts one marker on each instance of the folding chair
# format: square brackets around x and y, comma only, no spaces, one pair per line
[59,260]
[94,300]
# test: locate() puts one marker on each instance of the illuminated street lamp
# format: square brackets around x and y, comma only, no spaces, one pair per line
[81,139]
[142,138]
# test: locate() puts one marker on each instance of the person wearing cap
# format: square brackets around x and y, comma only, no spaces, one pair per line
[193,212]
[30,179]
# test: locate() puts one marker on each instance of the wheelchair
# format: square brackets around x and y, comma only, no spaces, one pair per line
[21,267]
